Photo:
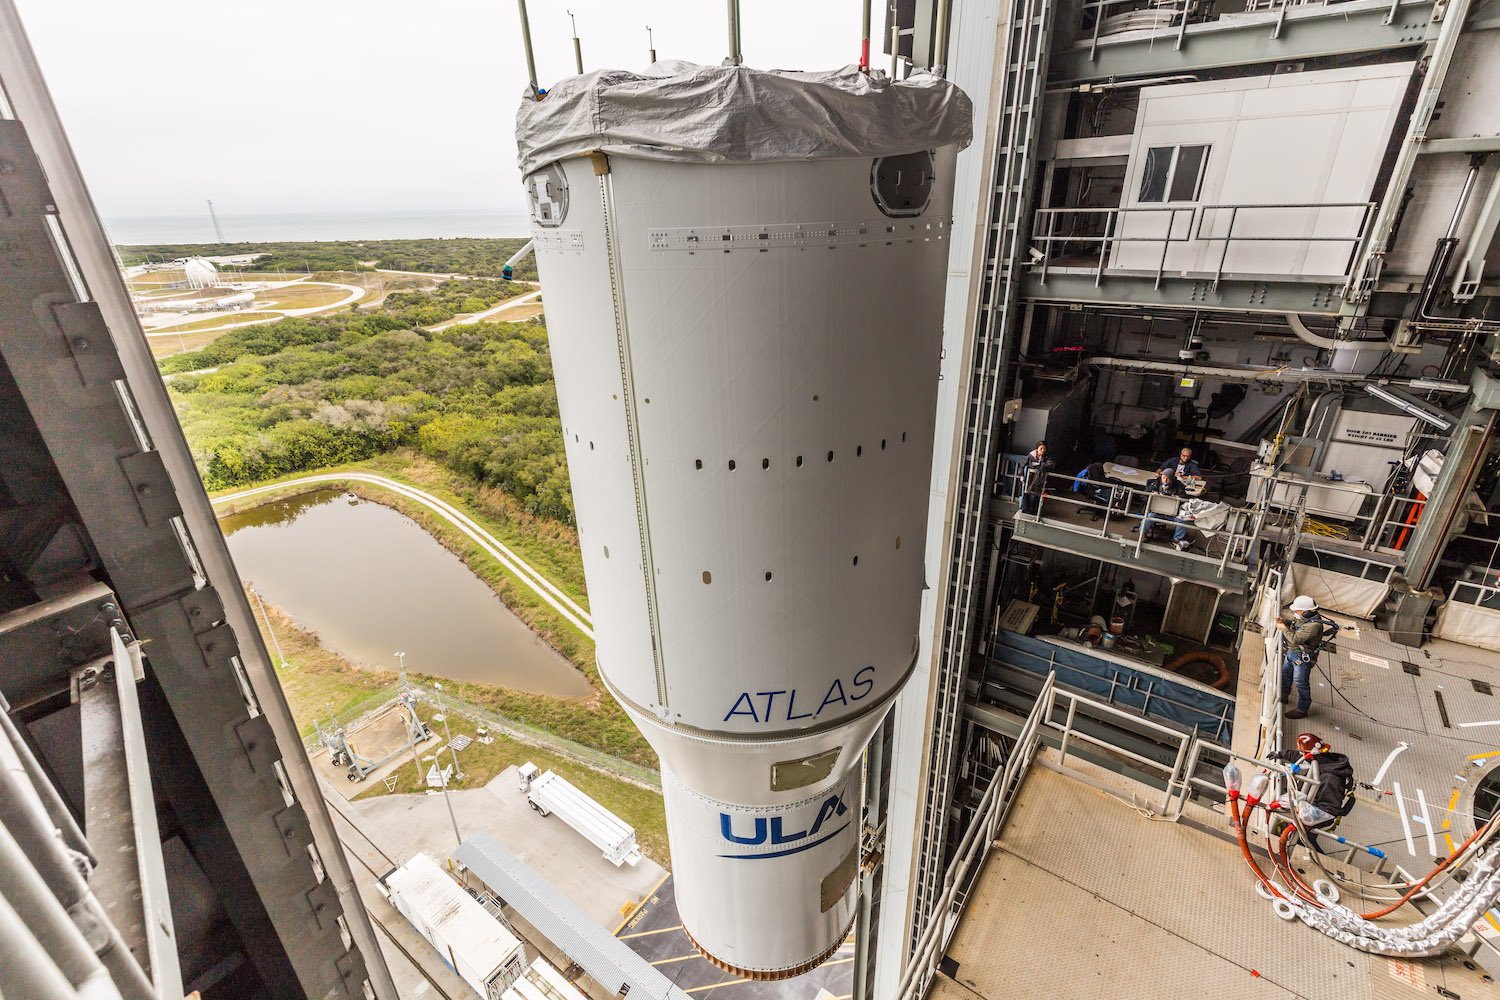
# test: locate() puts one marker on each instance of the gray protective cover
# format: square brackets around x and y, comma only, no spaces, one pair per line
[715,114]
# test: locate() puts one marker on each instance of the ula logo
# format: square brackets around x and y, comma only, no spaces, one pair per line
[773,831]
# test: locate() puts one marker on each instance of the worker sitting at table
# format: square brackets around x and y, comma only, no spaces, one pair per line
[1181,464]
[1167,484]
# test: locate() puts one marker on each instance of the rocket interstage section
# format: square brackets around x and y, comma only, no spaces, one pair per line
[744,276]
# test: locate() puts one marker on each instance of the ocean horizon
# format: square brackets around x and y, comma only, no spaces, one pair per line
[311,227]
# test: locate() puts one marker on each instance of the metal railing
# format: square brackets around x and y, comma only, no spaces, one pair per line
[1044,231]
[1054,227]
[1239,531]
[1366,210]
[1377,521]
[973,849]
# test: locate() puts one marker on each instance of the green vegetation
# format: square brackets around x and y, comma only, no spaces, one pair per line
[319,678]
[478,257]
[312,392]
[551,548]
[637,806]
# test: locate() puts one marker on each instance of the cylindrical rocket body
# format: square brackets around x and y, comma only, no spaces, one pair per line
[746,358]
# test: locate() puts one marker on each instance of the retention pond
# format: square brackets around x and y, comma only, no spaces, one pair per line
[370,580]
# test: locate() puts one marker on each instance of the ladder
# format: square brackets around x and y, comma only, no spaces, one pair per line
[1016,113]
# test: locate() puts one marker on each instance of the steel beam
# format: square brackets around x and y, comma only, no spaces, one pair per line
[1473,144]
[75,346]
[1152,559]
[120,813]
[1258,294]
[1245,40]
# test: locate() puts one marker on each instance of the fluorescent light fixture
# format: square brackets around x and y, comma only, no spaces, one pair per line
[1409,404]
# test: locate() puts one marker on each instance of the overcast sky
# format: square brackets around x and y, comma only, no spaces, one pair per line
[355,105]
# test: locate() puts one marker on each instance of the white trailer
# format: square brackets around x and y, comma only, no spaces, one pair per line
[549,793]
[543,982]
[471,941]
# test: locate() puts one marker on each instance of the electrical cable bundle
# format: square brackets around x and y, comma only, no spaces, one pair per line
[1317,905]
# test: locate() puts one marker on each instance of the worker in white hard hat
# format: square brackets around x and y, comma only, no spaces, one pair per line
[1302,631]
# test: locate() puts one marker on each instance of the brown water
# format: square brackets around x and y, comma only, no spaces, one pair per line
[370,580]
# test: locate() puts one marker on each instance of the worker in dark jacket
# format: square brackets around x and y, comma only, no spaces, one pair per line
[1034,478]
[1181,464]
[1331,776]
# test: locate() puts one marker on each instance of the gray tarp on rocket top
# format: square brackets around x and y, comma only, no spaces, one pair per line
[714,114]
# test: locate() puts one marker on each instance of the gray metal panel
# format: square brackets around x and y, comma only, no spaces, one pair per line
[1269,295]
[1166,562]
[604,957]
[1307,32]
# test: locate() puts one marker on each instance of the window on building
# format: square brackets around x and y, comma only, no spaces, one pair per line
[1173,173]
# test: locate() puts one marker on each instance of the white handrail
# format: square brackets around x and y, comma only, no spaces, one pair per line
[973,849]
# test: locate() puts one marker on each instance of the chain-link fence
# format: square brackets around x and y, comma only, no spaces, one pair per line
[362,711]
[353,716]
[587,756]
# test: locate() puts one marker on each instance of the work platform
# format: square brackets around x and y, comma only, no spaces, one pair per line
[1088,896]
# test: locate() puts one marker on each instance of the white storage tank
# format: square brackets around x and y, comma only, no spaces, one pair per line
[745,277]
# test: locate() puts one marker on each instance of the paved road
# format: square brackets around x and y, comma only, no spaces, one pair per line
[540,585]
[478,317]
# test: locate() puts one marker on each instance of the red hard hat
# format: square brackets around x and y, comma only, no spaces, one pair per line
[1310,743]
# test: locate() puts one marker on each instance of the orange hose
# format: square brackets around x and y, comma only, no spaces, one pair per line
[1428,877]
[1239,829]
[1284,865]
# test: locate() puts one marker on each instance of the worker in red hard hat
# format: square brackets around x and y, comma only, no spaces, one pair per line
[1302,631]
[1331,781]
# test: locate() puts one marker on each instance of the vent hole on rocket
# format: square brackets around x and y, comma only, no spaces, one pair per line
[708,577]
[859,450]
[697,463]
[768,576]
[830,456]
[856,560]
[765,463]
[882,444]
[898,541]
[799,461]
[815,397]
[903,437]
[591,446]
[606,551]
[731,465]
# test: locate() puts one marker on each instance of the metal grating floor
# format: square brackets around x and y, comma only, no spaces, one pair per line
[1087,897]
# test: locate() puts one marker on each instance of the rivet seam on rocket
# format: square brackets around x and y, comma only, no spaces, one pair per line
[637,473]
[772,975]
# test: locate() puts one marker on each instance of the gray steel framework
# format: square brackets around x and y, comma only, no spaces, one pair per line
[1027,36]
[82,366]
[1304,33]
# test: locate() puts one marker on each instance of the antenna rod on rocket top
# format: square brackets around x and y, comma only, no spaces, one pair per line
[650,43]
[864,36]
[536,93]
[895,43]
[577,45]
[940,57]
[735,58]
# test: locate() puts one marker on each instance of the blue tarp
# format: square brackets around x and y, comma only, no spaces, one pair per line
[1161,699]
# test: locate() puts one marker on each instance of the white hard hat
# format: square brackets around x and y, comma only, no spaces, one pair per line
[1304,603]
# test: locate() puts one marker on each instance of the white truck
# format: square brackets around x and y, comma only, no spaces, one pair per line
[471,941]
[549,793]
[543,982]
